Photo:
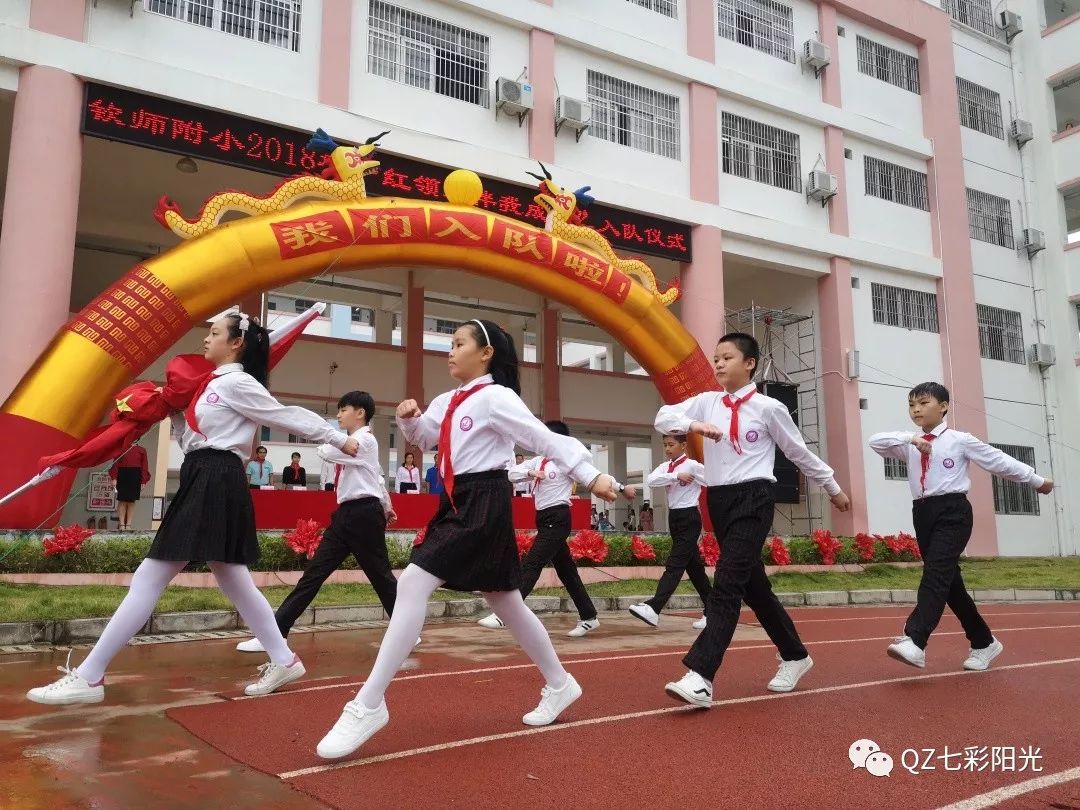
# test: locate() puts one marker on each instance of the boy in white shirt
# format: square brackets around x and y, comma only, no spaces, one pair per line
[937,461]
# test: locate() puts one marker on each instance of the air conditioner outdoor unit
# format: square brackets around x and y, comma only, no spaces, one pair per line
[816,55]
[821,186]
[1012,24]
[1042,355]
[129,3]
[1032,240]
[513,98]
[572,113]
[1021,131]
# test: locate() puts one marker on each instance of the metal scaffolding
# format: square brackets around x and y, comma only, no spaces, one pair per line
[789,354]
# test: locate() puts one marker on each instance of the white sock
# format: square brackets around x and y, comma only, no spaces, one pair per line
[236,583]
[147,584]
[530,633]
[410,609]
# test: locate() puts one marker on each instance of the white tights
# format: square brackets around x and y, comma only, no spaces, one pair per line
[147,585]
[414,588]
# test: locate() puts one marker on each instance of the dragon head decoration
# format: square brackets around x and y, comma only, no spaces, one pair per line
[346,162]
[558,202]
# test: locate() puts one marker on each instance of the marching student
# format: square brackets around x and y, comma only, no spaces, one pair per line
[739,473]
[407,480]
[937,460]
[211,518]
[469,544]
[682,478]
[358,525]
[551,489]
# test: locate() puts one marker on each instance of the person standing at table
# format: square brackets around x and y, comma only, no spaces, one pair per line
[259,469]
[433,480]
[130,473]
[294,475]
[407,480]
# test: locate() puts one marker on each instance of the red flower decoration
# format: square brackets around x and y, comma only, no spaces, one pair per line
[710,549]
[67,538]
[420,535]
[641,549]
[779,552]
[305,538]
[588,544]
[827,546]
[525,542]
[866,545]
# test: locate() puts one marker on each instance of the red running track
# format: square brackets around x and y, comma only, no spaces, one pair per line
[455,738]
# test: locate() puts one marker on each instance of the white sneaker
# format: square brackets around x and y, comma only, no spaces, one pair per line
[418,640]
[693,689]
[274,676]
[787,676]
[72,688]
[699,624]
[583,627]
[356,726]
[979,660]
[491,621]
[553,702]
[251,645]
[645,613]
[907,651]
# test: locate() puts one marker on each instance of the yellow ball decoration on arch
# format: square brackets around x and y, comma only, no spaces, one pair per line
[463,187]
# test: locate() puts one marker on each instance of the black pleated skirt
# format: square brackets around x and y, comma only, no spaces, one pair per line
[474,548]
[128,484]
[211,517]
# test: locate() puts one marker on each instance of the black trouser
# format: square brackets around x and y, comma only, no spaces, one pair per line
[943,528]
[742,515]
[359,528]
[685,556]
[552,529]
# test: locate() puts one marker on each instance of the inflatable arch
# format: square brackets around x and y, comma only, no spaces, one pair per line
[137,319]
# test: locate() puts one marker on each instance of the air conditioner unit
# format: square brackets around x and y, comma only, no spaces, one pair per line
[1021,131]
[129,3]
[1012,24]
[1032,240]
[513,98]
[821,186]
[573,113]
[1042,355]
[816,55]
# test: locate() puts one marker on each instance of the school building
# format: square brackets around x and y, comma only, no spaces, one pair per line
[883,191]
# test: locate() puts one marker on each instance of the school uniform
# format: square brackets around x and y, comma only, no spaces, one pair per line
[552,499]
[294,476]
[942,516]
[739,478]
[407,481]
[327,474]
[521,489]
[684,523]
[130,472]
[357,527]
[470,542]
[211,517]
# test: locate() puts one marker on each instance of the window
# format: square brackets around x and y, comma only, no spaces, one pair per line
[634,116]
[424,52]
[990,218]
[760,152]
[275,22]
[898,306]
[895,469]
[1001,336]
[1011,498]
[980,108]
[976,14]
[895,183]
[362,315]
[441,326]
[888,64]
[763,25]
[302,305]
[669,8]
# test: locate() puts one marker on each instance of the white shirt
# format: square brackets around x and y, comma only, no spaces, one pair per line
[407,476]
[764,425]
[486,428]
[361,475]
[327,470]
[679,494]
[234,405]
[950,454]
[554,490]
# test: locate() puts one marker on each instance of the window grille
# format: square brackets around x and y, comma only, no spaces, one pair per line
[899,306]
[990,218]
[275,22]
[1001,335]
[894,183]
[1010,497]
[761,152]
[888,64]
[980,108]
[977,14]
[895,469]
[634,116]
[669,8]
[764,25]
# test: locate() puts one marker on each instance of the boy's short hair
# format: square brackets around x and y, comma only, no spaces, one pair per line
[295,455]
[932,389]
[260,447]
[558,426]
[358,400]
[679,437]
[746,344]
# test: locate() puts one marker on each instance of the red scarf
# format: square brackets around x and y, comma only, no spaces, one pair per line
[924,461]
[733,428]
[446,463]
[673,464]
[189,412]
[536,481]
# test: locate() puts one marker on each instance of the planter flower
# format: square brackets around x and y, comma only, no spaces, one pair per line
[305,538]
[710,549]
[588,544]
[779,551]
[641,549]
[525,542]
[66,538]
[827,546]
